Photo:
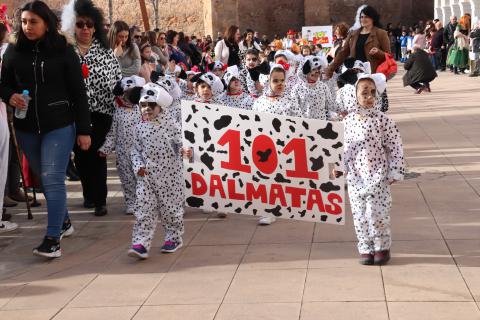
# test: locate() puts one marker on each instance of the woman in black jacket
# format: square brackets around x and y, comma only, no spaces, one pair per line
[420,71]
[42,62]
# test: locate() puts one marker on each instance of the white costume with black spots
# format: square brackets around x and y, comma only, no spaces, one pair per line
[161,191]
[174,111]
[373,157]
[187,94]
[241,101]
[346,100]
[284,105]
[120,139]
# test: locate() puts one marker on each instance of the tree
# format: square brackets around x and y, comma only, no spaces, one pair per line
[110,11]
[155,12]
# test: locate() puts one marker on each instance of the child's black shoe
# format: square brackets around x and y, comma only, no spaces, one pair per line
[381,257]
[366,259]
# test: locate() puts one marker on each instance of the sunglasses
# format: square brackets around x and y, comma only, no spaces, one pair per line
[148,104]
[137,37]
[162,38]
[82,24]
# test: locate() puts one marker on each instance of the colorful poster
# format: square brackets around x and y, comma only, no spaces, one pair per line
[319,34]
[252,163]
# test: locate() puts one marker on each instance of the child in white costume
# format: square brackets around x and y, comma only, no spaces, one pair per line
[120,138]
[234,96]
[208,87]
[313,95]
[373,160]
[156,159]
[187,87]
[275,100]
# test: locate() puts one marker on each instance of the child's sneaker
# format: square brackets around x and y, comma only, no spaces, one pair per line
[366,259]
[138,251]
[170,246]
[381,257]
[67,229]
[6,226]
[50,248]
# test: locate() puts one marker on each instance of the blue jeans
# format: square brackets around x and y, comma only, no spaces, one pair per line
[48,155]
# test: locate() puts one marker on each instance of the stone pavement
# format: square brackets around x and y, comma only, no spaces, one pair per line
[234,269]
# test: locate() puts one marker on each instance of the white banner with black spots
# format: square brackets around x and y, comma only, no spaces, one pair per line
[253,163]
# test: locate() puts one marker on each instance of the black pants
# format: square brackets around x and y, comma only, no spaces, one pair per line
[92,168]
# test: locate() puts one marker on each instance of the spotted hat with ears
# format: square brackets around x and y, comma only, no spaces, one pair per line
[212,80]
[152,92]
[217,65]
[167,82]
[128,83]
[231,73]
[379,79]
[313,62]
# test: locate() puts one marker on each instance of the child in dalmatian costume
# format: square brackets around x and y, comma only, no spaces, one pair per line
[187,87]
[207,87]
[276,100]
[373,159]
[169,83]
[289,63]
[156,159]
[218,68]
[313,95]
[120,138]
[249,74]
[234,96]
[346,99]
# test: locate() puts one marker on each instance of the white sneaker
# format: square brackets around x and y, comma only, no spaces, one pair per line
[6,226]
[266,221]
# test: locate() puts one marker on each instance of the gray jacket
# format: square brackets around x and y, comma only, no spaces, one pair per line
[475,36]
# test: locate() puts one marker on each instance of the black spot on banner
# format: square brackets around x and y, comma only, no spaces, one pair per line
[291,121]
[255,178]
[224,177]
[235,174]
[327,132]
[312,184]
[215,205]
[206,135]
[281,179]
[211,148]
[189,169]
[245,159]
[280,143]
[289,160]
[223,122]
[194,109]
[317,163]
[289,209]
[240,182]
[195,125]
[257,118]
[302,213]
[323,218]
[208,108]
[311,138]
[188,118]
[229,205]
[187,184]
[190,136]
[327,153]
[238,210]
[337,145]
[264,155]
[260,129]
[207,160]
[244,117]
[255,212]
[328,187]
[339,219]
[275,211]
[292,128]
[205,119]
[195,202]
[276,124]
[200,148]
[248,133]
[248,204]
[305,125]
[222,151]
[262,176]
[313,148]
[247,142]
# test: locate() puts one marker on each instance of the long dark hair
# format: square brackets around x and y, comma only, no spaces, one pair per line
[119,26]
[370,12]
[229,35]
[52,41]
[86,8]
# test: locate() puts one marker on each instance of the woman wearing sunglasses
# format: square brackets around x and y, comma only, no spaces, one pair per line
[42,62]
[101,71]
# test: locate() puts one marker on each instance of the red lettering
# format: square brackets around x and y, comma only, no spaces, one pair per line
[199,186]
[315,197]
[232,194]
[260,192]
[232,138]
[262,144]
[299,149]
[296,195]
[276,192]
[333,207]
[216,184]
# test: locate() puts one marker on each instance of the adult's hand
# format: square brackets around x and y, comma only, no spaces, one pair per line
[373,51]
[17,101]
[84,142]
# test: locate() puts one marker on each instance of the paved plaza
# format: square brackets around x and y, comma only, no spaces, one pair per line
[233,269]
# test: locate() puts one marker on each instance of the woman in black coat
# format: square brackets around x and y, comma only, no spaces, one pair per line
[420,71]
[42,62]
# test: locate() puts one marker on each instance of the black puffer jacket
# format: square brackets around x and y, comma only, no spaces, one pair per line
[419,69]
[56,86]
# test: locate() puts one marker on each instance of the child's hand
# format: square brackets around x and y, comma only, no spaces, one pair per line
[187,153]
[101,154]
[142,172]
[392,181]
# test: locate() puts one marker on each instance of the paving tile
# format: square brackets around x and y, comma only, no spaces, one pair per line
[276,256]
[284,231]
[99,313]
[192,287]
[420,253]
[210,257]
[465,252]
[38,314]
[117,290]
[177,312]
[433,310]
[261,286]
[472,278]
[424,283]
[361,283]
[334,255]
[329,232]
[264,311]
[232,230]
[344,311]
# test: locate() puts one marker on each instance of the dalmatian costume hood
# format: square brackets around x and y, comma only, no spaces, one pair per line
[314,99]
[241,100]
[161,192]
[187,94]
[373,156]
[213,81]
[120,138]
[169,83]
[282,105]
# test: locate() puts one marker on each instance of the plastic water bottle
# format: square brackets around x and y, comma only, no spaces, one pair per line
[22,113]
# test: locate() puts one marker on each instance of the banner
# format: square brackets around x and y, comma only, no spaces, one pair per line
[319,34]
[259,164]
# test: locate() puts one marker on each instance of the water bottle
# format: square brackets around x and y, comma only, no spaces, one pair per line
[22,113]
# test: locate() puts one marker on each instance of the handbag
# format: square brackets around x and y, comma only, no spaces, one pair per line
[388,67]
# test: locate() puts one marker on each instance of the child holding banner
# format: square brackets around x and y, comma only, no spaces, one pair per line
[160,185]
[234,96]
[373,159]
[120,137]
[275,100]
[313,95]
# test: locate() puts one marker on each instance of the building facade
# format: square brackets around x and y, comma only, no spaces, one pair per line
[444,9]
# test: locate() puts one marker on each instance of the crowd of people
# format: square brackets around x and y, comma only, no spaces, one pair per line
[98,88]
